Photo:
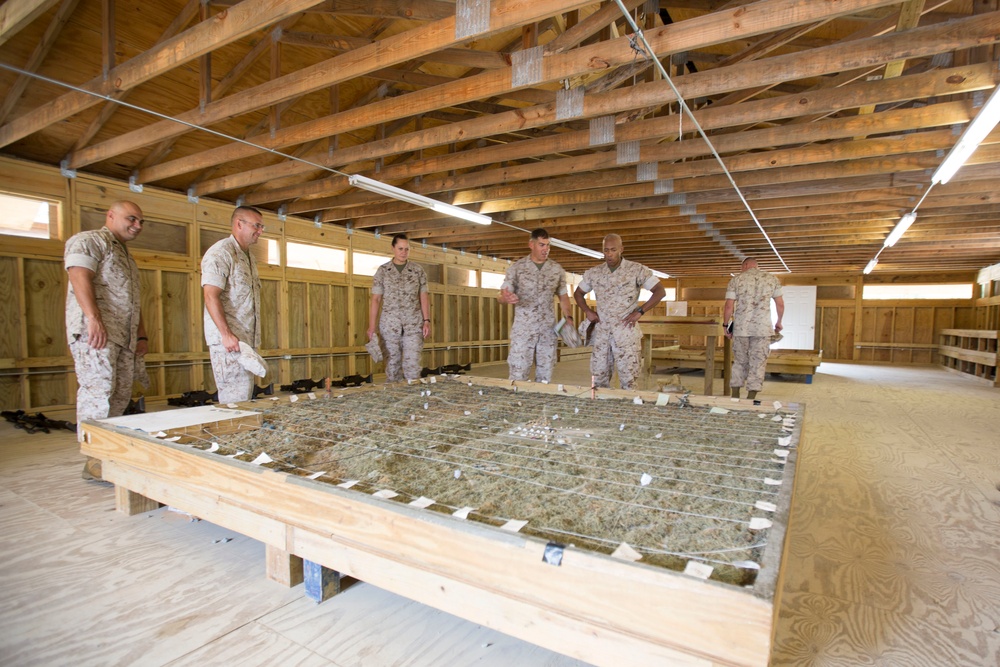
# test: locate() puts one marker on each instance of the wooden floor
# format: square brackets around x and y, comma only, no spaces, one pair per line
[895,556]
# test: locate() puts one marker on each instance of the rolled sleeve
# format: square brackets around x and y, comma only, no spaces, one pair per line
[81,260]
[651,282]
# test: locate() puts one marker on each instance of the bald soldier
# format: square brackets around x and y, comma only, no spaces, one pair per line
[103,317]
[529,286]
[231,286]
[616,339]
[748,307]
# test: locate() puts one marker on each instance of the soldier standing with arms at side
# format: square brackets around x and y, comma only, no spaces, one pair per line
[400,288]
[617,341]
[529,285]
[231,287]
[103,316]
[748,307]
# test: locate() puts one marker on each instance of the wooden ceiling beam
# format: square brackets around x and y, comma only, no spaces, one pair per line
[636,97]
[604,55]
[16,14]
[392,50]
[237,22]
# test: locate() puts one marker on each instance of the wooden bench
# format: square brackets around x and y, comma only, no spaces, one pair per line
[792,362]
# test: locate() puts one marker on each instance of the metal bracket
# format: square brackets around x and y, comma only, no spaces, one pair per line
[318,221]
[65,170]
[283,212]
[133,186]
[349,228]
[192,197]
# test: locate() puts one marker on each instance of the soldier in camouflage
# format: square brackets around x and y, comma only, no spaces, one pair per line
[103,316]
[748,307]
[400,288]
[231,287]
[529,286]
[617,341]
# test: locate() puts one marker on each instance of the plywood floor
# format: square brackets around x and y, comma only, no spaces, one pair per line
[895,554]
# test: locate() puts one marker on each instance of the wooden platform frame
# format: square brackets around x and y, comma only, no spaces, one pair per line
[790,362]
[593,607]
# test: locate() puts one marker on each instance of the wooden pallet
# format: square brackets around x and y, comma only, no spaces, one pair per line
[593,607]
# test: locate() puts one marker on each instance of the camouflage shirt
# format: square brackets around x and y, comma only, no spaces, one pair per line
[234,271]
[617,292]
[116,286]
[753,290]
[400,290]
[534,286]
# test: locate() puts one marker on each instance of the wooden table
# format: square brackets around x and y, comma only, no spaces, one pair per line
[710,328]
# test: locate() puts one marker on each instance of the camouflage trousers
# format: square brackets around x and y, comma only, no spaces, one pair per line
[531,344]
[616,345]
[104,377]
[234,382]
[404,344]
[749,360]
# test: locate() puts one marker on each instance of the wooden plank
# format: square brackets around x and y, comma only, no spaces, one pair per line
[971,333]
[283,567]
[233,24]
[16,14]
[972,356]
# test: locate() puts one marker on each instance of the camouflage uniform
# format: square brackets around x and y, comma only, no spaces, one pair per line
[402,322]
[234,271]
[615,343]
[105,376]
[531,335]
[752,290]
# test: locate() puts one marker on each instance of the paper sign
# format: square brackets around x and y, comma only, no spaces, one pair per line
[385,493]
[514,525]
[772,482]
[662,399]
[348,484]
[422,502]
[765,506]
[626,552]
[263,458]
[718,411]
[699,570]
[758,523]
[317,475]
[462,513]
[645,479]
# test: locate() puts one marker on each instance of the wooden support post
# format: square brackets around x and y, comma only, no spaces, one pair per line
[131,503]
[322,583]
[283,567]
[710,366]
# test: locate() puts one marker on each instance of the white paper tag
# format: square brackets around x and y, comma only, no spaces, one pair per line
[159,434]
[514,525]
[317,475]
[772,482]
[312,396]
[232,405]
[213,448]
[173,439]
[776,418]
[645,479]
[759,523]
[777,405]
[422,502]
[385,493]
[781,453]
[433,380]
[261,459]
[626,552]
[662,399]
[561,388]
[462,513]
[765,506]
[746,564]
[786,441]
[699,570]
[293,398]
[718,411]
[348,484]
[637,400]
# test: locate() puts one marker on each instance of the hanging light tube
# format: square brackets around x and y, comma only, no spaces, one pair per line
[900,229]
[981,125]
[386,190]
[572,247]
[871,265]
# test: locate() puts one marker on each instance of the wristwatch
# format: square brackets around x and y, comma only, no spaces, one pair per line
[640,311]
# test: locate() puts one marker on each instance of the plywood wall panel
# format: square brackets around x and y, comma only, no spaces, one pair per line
[10,311]
[45,308]
[177,309]
[296,316]
[270,314]
[48,389]
[319,315]
[359,328]
[338,308]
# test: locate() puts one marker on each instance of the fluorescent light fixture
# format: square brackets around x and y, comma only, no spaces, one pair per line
[660,274]
[900,229]
[871,265]
[386,190]
[572,247]
[981,125]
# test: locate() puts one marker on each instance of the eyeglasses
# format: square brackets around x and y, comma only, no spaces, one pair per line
[256,225]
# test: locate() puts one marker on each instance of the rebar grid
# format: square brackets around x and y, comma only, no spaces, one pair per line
[675,483]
